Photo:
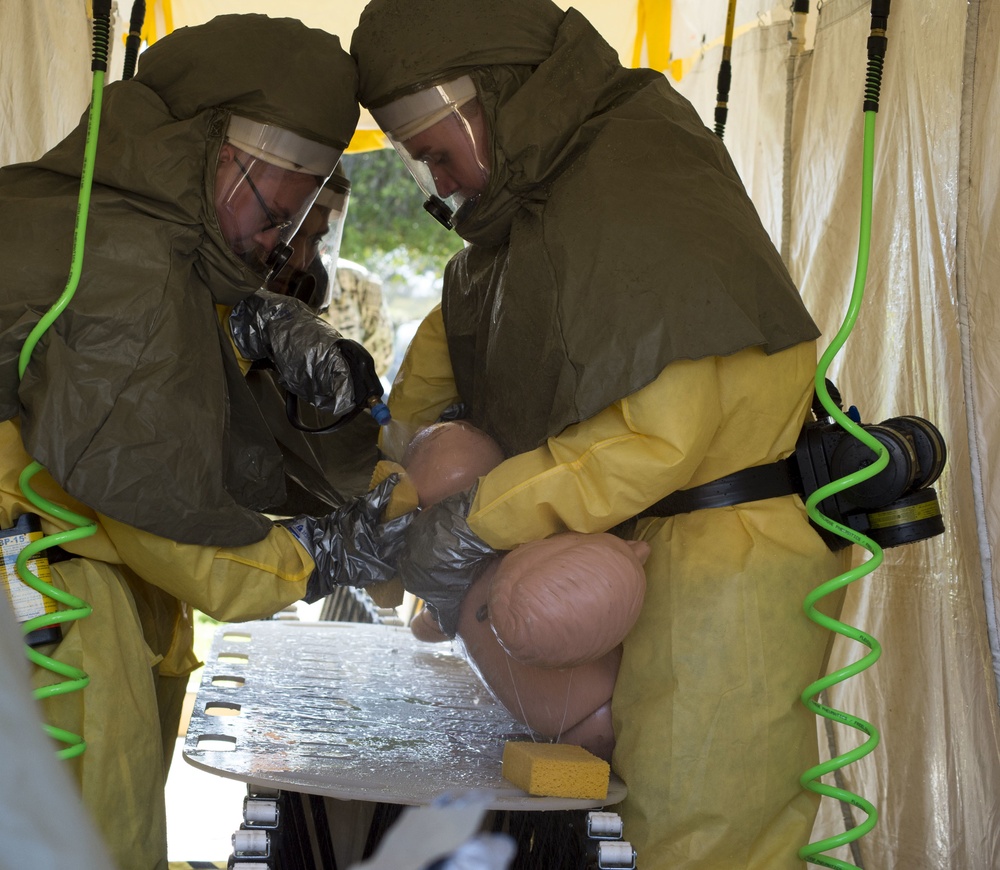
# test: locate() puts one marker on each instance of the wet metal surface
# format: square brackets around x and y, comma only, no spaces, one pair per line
[353,711]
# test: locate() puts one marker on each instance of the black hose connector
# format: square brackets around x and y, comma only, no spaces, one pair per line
[134,39]
[800,7]
[877,46]
[102,35]
[722,98]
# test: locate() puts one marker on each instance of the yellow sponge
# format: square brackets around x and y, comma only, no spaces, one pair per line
[404,496]
[556,770]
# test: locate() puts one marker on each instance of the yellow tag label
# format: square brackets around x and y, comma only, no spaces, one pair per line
[901,516]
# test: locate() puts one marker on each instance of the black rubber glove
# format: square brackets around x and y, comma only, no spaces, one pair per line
[443,557]
[352,546]
[313,360]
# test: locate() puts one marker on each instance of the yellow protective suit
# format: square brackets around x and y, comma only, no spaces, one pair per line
[136,647]
[711,735]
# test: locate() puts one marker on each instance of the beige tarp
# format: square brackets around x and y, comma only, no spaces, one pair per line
[925,342]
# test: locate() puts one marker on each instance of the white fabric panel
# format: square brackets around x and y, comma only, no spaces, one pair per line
[932,688]
[756,99]
[935,776]
[47,82]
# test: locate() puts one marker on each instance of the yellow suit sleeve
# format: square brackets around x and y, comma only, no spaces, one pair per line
[424,386]
[229,584]
[604,470]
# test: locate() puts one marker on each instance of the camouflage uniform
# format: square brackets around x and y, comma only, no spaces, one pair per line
[358,311]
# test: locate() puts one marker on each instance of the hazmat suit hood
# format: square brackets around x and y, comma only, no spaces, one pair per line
[614,235]
[133,399]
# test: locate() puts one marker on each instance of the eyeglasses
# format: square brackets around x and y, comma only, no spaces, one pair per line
[273,222]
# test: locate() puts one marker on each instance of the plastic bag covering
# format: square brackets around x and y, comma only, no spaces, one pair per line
[352,546]
[443,557]
[133,399]
[578,193]
[307,352]
[321,471]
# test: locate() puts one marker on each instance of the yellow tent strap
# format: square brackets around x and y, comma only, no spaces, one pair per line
[653,28]
[367,140]
[159,20]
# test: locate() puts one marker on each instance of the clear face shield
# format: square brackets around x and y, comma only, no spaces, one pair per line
[312,265]
[266,181]
[440,133]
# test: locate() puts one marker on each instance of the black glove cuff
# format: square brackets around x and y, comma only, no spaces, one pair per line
[364,378]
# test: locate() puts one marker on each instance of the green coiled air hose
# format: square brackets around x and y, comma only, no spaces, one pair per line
[811,778]
[72,679]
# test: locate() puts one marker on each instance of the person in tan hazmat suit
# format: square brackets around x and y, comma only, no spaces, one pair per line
[328,458]
[134,399]
[621,324]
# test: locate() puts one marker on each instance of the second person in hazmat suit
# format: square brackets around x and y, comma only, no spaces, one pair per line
[622,325]
[328,458]
[134,401]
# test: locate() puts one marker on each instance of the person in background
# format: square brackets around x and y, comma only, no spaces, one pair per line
[134,401]
[358,310]
[621,324]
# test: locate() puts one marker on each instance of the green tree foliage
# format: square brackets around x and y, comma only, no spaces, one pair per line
[387,228]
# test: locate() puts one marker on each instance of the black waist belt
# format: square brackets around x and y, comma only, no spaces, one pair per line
[751,484]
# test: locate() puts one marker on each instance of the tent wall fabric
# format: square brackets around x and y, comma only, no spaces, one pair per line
[925,342]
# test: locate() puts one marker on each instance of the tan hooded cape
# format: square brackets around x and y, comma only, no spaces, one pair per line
[615,235]
[133,399]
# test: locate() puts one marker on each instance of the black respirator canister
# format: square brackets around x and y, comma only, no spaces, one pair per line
[896,506]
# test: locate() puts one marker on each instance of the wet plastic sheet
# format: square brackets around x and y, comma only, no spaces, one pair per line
[357,712]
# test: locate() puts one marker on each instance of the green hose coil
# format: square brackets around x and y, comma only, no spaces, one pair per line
[811,779]
[72,679]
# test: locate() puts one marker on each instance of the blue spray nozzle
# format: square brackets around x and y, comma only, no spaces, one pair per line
[379,411]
